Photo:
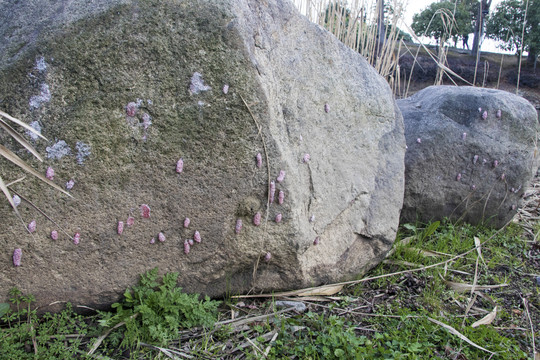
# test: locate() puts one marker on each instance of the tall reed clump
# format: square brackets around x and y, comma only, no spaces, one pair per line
[358,25]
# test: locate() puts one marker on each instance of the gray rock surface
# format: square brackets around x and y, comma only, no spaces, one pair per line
[124,89]
[471,153]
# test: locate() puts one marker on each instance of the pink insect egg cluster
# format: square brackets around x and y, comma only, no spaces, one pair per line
[152,240]
[281,197]
[464,136]
[32,226]
[17,256]
[186,247]
[419,141]
[77,238]
[259,160]
[326,108]
[197,236]
[484,115]
[191,242]
[16,200]
[238,226]
[161,237]
[70,184]
[272,191]
[180,165]
[186,222]
[130,221]
[54,235]
[120,227]
[317,241]
[278,218]
[281,176]
[475,159]
[267,257]
[458,177]
[257,219]
[499,114]
[495,163]
[49,174]
[131,109]
[147,121]
[225,89]
[306,158]
[145,211]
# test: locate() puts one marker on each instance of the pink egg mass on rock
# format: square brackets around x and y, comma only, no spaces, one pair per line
[17,256]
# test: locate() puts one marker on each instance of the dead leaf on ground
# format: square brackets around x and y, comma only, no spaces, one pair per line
[458,334]
[324,290]
[486,320]
[461,287]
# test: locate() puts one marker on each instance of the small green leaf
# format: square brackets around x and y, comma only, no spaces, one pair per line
[339,353]
[430,230]
[4,308]
[127,295]
[409,227]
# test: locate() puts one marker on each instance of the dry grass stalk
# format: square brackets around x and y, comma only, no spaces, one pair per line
[486,320]
[521,50]
[259,129]
[10,156]
[458,334]
[536,355]
[355,24]
[422,268]
[461,287]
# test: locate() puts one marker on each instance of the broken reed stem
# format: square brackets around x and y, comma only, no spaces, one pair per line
[42,213]
[521,51]
[429,266]
[526,305]
[255,347]
[353,282]
[102,337]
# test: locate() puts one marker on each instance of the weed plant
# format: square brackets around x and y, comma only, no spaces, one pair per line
[24,335]
[154,313]
[417,314]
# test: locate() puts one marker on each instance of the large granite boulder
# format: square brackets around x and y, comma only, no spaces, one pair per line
[125,89]
[471,153]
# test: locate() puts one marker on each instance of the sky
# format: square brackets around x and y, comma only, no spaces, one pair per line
[416,6]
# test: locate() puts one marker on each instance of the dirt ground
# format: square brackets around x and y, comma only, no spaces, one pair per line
[489,72]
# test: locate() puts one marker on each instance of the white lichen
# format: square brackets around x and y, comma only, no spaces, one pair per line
[83,151]
[34,125]
[43,97]
[41,65]
[58,150]
[197,84]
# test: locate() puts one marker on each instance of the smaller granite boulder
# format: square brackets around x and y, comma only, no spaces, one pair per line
[471,153]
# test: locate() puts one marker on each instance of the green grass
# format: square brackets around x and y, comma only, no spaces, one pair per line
[411,315]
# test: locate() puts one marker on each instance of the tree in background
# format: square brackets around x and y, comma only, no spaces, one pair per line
[480,11]
[391,16]
[443,20]
[506,25]
[345,25]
